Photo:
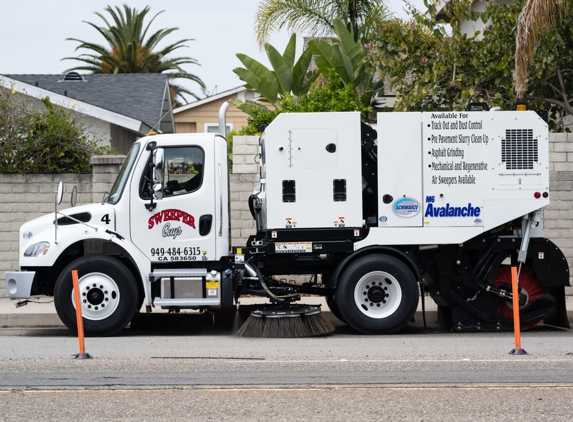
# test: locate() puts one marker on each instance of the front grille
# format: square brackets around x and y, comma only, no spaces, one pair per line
[519,149]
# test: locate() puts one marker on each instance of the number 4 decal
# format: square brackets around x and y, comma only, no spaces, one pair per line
[106,219]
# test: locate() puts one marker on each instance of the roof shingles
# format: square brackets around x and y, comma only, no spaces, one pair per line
[139,96]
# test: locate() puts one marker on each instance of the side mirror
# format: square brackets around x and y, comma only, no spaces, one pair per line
[59,193]
[74,196]
[158,171]
[158,165]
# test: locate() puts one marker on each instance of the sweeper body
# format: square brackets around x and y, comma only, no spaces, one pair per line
[440,203]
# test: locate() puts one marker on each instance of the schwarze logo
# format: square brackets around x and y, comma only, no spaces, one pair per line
[449,211]
[406,207]
[171,215]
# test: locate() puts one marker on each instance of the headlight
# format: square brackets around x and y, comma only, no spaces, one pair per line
[37,249]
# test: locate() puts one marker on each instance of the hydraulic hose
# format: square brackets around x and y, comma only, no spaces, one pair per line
[255,272]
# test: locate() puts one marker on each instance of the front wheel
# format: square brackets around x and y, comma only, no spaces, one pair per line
[377,294]
[108,295]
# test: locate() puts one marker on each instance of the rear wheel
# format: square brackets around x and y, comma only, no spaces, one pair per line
[108,295]
[332,305]
[377,294]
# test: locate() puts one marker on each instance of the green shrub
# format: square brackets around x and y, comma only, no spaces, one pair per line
[42,141]
[332,95]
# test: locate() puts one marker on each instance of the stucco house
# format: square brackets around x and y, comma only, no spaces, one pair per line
[202,115]
[115,109]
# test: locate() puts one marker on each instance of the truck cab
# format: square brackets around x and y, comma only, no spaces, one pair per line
[165,217]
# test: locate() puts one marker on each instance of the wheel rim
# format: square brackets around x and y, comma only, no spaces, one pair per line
[378,294]
[99,296]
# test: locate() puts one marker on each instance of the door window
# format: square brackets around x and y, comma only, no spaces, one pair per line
[183,171]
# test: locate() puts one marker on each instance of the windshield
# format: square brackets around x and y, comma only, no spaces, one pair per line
[119,185]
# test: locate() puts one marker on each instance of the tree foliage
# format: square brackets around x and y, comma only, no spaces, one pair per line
[550,73]
[343,82]
[129,49]
[433,67]
[346,60]
[42,141]
[536,19]
[332,95]
[316,16]
[286,78]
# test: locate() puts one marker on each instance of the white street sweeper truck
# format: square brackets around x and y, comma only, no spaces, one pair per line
[438,203]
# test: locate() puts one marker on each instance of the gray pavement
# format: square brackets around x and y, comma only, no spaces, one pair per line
[158,375]
[41,313]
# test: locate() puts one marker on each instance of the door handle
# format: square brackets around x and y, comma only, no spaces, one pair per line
[205,223]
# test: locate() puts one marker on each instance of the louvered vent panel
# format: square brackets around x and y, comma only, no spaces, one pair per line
[519,149]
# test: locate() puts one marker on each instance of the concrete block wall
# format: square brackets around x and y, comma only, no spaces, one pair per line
[26,197]
[105,171]
[558,216]
[243,180]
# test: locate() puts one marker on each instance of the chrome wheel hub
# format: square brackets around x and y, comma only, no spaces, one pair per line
[99,296]
[378,294]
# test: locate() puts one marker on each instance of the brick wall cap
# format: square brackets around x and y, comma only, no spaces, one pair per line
[107,159]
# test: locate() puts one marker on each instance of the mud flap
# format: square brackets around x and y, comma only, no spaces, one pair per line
[560,318]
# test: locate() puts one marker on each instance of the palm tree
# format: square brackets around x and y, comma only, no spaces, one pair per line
[129,50]
[317,16]
[535,20]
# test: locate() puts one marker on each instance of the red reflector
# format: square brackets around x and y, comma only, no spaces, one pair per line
[545,194]
[537,195]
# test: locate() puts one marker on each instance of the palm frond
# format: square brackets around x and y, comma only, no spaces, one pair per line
[315,16]
[130,50]
[156,38]
[534,21]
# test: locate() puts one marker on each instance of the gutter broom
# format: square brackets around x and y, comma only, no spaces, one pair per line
[283,320]
[291,321]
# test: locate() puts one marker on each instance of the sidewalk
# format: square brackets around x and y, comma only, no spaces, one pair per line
[43,315]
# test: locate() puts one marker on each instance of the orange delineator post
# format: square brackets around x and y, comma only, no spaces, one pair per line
[516,322]
[80,322]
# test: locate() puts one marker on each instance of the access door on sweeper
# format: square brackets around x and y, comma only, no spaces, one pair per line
[179,225]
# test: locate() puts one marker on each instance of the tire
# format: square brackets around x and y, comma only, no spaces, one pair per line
[377,294]
[331,302]
[113,299]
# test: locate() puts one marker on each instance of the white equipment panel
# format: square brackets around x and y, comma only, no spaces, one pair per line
[311,171]
[476,171]
[400,170]
[481,169]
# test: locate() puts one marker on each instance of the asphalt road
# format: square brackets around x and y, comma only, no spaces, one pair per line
[215,375]
[294,404]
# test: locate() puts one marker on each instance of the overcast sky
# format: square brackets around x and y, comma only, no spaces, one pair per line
[34,32]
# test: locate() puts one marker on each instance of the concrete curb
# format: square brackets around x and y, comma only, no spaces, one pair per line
[30,321]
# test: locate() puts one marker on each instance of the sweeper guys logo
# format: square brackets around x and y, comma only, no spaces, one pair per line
[166,216]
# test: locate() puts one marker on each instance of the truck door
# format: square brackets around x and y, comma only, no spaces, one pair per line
[181,226]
